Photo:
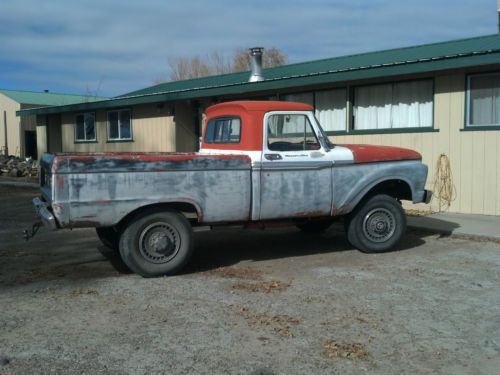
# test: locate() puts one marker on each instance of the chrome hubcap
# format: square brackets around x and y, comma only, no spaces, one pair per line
[159,242]
[379,225]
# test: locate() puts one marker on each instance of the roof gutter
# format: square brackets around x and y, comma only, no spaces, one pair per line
[160,96]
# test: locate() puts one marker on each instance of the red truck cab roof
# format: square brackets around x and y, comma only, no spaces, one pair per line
[251,114]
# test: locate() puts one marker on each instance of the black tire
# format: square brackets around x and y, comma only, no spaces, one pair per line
[376,225]
[315,226]
[157,243]
[109,236]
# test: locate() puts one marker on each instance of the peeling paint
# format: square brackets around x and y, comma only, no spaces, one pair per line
[122,162]
[316,213]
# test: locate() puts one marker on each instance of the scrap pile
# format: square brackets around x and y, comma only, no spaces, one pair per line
[13,166]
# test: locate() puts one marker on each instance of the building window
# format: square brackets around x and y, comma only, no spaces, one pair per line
[85,127]
[290,132]
[303,97]
[330,106]
[396,105]
[119,125]
[483,100]
[223,130]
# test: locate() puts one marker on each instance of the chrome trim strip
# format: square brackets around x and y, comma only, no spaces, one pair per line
[293,166]
[342,162]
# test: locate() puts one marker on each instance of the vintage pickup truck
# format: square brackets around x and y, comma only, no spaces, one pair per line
[260,163]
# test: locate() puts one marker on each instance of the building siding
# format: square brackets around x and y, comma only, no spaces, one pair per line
[473,155]
[13,129]
[41,140]
[153,130]
[170,127]
[185,128]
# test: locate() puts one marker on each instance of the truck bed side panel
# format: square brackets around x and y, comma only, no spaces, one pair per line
[101,192]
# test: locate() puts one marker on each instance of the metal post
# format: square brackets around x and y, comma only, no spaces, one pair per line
[498,16]
[47,133]
[5,130]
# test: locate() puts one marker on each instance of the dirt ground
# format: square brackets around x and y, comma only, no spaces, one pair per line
[250,302]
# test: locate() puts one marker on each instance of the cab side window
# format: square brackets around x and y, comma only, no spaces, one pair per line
[290,132]
[223,130]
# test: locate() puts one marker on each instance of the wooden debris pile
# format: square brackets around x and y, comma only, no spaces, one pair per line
[14,166]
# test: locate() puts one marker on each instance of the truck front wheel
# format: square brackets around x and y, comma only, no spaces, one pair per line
[157,243]
[376,225]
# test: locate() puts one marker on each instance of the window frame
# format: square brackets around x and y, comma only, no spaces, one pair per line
[223,143]
[346,88]
[312,123]
[76,140]
[467,125]
[283,94]
[118,140]
[420,129]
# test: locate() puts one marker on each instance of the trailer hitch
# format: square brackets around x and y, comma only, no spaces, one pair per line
[30,232]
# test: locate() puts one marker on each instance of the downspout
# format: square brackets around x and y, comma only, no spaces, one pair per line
[47,132]
[5,131]
[498,16]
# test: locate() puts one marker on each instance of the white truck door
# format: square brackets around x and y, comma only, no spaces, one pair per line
[295,169]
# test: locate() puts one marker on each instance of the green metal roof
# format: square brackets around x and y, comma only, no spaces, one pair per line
[46,98]
[454,54]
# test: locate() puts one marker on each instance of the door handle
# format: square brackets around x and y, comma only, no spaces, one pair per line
[316,154]
[273,156]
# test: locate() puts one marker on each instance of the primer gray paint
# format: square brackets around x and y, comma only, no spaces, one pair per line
[221,190]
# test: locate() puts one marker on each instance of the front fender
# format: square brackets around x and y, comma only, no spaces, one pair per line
[352,182]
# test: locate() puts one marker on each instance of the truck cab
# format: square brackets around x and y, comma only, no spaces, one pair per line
[298,170]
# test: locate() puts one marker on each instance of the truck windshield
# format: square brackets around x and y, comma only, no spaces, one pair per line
[323,135]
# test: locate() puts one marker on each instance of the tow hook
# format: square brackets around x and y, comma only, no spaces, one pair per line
[30,232]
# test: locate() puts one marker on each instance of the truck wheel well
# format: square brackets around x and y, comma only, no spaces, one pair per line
[398,189]
[187,209]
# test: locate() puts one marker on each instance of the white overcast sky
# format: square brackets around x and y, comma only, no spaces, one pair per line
[115,47]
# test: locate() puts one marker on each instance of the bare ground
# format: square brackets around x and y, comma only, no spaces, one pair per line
[250,302]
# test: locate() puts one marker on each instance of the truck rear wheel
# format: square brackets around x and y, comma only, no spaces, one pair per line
[109,236]
[376,225]
[157,243]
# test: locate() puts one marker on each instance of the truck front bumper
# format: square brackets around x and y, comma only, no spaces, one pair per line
[427,196]
[42,210]
[422,196]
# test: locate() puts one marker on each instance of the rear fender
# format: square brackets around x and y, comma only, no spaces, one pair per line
[112,212]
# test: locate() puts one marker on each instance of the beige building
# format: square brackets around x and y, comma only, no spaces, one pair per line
[438,99]
[18,134]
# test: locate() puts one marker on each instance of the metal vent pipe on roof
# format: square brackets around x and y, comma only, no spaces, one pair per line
[256,64]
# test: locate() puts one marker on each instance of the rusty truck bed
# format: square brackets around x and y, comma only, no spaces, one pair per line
[100,189]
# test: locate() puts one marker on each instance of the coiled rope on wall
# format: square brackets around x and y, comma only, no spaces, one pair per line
[443,187]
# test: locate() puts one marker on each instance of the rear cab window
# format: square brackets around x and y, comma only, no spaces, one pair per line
[223,130]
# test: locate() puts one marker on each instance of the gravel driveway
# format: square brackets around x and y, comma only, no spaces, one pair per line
[250,302]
